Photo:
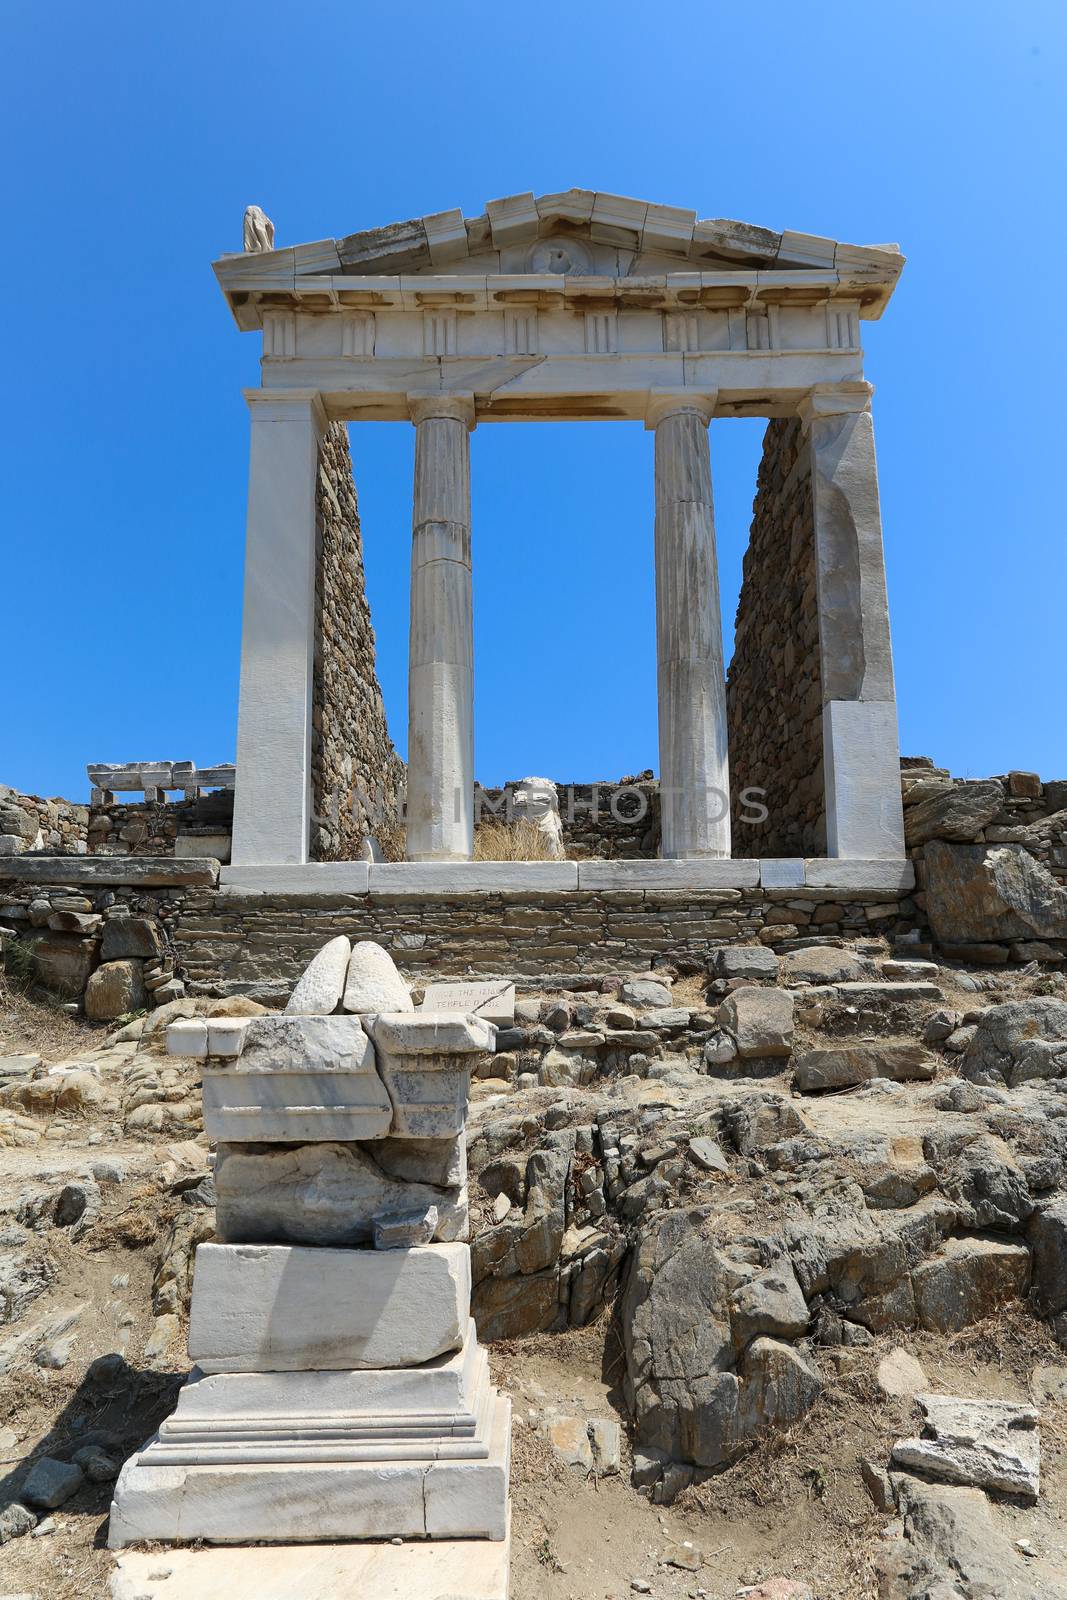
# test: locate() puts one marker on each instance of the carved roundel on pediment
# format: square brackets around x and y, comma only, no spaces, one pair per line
[567,256]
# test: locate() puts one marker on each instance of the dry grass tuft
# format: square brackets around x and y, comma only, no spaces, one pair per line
[511,841]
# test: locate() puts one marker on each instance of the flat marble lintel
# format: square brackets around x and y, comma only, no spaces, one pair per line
[447,879]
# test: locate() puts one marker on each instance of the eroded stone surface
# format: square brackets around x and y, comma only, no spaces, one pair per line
[372,982]
[322,983]
[322,1193]
[991,1444]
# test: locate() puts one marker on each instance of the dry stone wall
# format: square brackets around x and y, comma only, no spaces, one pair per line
[151,827]
[352,756]
[30,822]
[774,684]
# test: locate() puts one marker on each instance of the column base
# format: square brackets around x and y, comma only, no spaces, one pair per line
[294,1456]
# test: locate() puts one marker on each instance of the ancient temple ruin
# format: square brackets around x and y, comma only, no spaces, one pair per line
[577,306]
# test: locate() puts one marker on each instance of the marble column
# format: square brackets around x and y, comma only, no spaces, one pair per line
[861,750]
[272,799]
[694,767]
[440,790]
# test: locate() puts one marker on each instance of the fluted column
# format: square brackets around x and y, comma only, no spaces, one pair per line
[440,792]
[272,798]
[694,766]
[861,750]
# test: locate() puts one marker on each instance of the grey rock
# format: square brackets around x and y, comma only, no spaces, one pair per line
[50,1483]
[755,1121]
[761,1021]
[957,811]
[967,1279]
[939,1025]
[771,1303]
[821,964]
[97,1465]
[400,1230]
[707,1155]
[1017,1042]
[645,993]
[15,1520]
[990,1444]
[954,1551]
[878,1484]
[744,961]
[605,1436]
[1047,1235]
[126,937]
[720,1049]
[21,1066]
[109,1170]
[844,1066]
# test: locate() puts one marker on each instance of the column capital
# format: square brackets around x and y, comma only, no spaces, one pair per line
[425,405]
[278,405]
[663,403]
[834,400]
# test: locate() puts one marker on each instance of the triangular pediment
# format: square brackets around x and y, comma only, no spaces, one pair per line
[573,234]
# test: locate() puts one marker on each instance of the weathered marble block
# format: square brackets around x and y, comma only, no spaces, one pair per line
[326,1193]
[286,1308]
[295,1107]
[287,1078]
[425,1060]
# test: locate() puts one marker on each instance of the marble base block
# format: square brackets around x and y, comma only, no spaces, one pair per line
[407,1486]
[284,1308]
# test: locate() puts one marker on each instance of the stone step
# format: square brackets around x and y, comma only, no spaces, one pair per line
[477,1569]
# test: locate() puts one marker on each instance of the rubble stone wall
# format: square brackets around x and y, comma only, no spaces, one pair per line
[30,822]
[774,684]
[149,827]
[352,755]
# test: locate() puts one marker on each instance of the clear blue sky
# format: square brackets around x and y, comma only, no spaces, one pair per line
[135,135]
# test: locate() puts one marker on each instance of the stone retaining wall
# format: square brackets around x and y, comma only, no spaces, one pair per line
[774,683]
[352,755]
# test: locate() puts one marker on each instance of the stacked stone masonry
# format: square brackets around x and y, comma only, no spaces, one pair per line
[152,827]
[357,776]
[774,685]
[30,822]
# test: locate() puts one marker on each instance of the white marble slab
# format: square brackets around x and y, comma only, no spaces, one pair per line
[294,1107]
[284,1308]
[309,877]
[686,874]
[785,873]
[471,877]
[876,877]
[477,1569]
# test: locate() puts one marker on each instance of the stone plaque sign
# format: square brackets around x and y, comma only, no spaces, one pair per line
[493,1001]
